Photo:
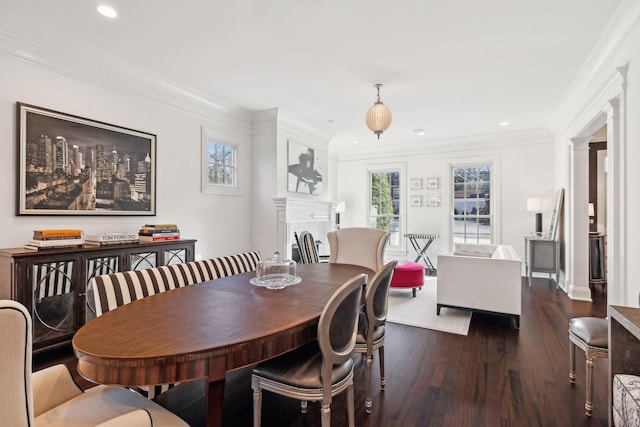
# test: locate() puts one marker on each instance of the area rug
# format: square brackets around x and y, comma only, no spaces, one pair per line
[421,310]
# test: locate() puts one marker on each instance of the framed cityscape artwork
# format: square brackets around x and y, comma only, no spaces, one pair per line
[70,165]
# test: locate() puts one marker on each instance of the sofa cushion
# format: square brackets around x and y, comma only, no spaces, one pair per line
[482,251]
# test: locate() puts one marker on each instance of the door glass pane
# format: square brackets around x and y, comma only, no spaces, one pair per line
[53,300]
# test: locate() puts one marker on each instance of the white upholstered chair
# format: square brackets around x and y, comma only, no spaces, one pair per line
[358,246]
[51,398]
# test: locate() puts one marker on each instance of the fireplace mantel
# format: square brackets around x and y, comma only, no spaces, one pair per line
[316,216]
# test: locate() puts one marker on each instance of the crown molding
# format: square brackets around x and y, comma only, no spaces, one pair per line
[101,69]
[600,77]
[476,142]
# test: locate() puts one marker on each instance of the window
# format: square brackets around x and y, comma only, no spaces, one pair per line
[219,169]
[471,199]
[384,203]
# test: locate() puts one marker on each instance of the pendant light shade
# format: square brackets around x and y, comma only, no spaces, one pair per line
[379,116]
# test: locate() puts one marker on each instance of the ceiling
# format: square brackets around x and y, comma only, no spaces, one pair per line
[454,68]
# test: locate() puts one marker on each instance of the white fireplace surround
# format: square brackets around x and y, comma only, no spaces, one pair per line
[296,215]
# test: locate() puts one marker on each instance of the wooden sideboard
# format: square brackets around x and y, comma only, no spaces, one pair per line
[52,283]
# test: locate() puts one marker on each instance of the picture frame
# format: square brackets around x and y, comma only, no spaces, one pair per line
[416,201]
[556,215]
[416,183]
[434,200]
[432,183]
[72,165]
[305,169]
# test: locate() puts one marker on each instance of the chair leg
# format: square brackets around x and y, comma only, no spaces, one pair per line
[381,356]
[325,412]
[351,413]
[257,406]
[367,385]
[414,292]
[572,362]
[588,405]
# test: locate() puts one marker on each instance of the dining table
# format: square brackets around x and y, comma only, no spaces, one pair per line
[206,330]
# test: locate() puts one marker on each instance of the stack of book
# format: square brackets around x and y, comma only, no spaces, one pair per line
[113,238]
[55,238]
[159,233]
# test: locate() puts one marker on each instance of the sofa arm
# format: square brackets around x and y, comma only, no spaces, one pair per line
[51,387]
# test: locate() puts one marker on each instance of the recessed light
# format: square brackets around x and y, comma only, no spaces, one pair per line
[420,131]
[504,123]
[355,141]
[107,11]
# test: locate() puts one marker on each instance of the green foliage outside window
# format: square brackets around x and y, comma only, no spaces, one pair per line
[382,201]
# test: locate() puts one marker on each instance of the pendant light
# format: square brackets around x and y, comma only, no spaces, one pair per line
[378,116]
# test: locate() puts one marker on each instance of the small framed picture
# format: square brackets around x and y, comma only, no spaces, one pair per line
[416,183]
[416,201]
[434,200]
[432,183]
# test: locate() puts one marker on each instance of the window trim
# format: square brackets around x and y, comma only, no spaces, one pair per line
[494,163]
[401,250]
[210,136]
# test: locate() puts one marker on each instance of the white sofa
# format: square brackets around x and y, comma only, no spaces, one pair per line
[482,278]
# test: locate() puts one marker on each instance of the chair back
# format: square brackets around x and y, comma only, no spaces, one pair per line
[337,328]
[308,250]
[16,394]
[377,298]
[358,246]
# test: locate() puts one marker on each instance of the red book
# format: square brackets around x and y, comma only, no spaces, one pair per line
[146,239]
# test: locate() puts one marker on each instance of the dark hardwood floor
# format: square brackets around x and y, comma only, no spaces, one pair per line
[495,376]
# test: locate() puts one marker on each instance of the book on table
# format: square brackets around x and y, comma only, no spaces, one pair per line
[113,238]
[146,239]
[53,244]
[54,234]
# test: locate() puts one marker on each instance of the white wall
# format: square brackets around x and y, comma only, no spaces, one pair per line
[218,222]
[632,203]
[526,169]
[273,130]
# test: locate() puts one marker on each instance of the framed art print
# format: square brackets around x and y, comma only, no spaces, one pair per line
[70,165]
[305,169]
[432,183]
[416,184]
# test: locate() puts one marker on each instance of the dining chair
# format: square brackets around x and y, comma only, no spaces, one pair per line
[322,368]
[359,246]
[50,397]
[308,250]
[371,325]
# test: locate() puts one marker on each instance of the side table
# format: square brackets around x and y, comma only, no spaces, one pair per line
[542,255]
[422,252]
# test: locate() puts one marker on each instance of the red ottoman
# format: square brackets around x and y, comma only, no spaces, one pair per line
[409,275]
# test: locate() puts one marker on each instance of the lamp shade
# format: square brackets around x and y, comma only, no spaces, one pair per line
[378,118]
[538,204]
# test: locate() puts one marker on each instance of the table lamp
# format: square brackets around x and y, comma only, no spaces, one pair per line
[538,205]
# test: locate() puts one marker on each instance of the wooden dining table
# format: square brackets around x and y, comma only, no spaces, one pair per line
[206,330]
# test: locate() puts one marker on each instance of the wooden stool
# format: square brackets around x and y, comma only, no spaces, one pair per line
[409,275]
